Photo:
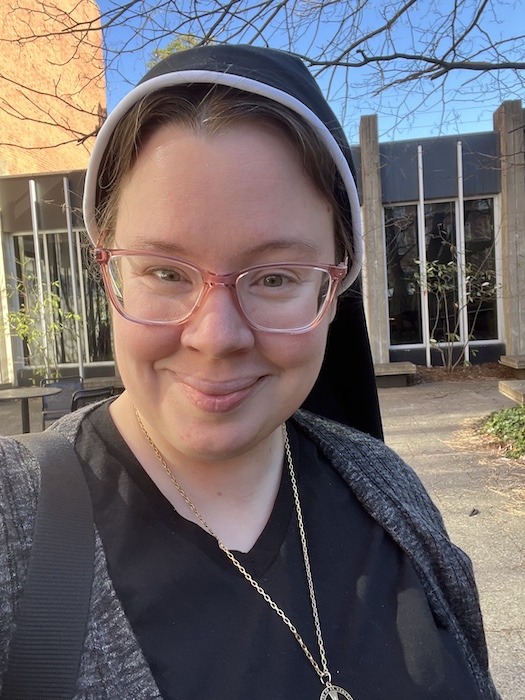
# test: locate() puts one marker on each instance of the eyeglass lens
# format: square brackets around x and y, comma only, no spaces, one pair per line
[155,289]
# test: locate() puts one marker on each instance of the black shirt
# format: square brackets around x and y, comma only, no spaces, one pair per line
[208,635]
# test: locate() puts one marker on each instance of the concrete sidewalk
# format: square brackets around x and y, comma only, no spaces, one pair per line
[467,482]
[422,424]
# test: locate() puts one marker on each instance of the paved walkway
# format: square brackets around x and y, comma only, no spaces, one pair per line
[469,485]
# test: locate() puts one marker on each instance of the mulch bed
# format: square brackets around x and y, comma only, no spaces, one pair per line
[462,373]
[508,475]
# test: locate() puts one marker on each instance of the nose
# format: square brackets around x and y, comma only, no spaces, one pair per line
[218,328]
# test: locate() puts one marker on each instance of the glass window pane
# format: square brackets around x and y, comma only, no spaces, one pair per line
[63,339]
[96,313]
[56,342]
[23,301]
[480,259]
[404,301]
[442,271]
[442,280]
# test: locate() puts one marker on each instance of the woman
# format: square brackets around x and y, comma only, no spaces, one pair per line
[244,552]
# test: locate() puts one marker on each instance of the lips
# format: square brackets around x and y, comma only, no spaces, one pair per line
[218,397]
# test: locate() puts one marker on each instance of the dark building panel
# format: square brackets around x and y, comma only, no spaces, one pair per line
[14,204]
[15,201]
[481,163]
[399,177]
[399,171]
[440,173]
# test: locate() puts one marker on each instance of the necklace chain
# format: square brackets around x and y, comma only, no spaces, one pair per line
[331,691]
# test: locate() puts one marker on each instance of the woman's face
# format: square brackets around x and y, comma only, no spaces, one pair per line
[214,388]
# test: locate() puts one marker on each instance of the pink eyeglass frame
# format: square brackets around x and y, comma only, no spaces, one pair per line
[212,279]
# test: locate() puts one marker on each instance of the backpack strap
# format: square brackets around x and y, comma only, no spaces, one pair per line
[46,648]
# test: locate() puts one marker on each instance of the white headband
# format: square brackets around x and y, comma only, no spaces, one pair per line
[186,77]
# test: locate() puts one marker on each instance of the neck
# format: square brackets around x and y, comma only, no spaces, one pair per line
[234,496]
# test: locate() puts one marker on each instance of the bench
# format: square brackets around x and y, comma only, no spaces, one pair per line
[394,373]
[516,363]
[513,389]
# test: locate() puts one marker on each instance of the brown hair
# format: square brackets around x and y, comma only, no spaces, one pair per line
[211,110]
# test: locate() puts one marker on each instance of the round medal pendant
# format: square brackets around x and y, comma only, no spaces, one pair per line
[334,692]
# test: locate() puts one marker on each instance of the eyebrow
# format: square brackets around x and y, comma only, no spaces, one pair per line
[297,245]
[153,246]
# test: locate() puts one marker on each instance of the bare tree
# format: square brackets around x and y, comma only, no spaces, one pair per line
[52,84]
[358,50]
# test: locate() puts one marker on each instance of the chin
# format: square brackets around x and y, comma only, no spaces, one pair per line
[221,440]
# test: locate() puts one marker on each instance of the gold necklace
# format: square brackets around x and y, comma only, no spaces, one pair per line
[330,691]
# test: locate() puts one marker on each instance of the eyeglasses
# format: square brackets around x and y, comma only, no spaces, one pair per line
[156,289]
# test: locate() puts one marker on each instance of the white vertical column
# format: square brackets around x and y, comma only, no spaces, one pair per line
[460,252]
[423,256]
[82,298]
[38,261]
[74,276]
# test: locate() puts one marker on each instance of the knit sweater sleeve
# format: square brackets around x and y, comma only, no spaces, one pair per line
[112,664]
[19,486]
[395,497]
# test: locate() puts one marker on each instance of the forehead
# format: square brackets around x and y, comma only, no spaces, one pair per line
[240,190]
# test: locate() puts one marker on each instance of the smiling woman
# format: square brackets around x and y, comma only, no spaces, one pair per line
[216,386]
[247,547]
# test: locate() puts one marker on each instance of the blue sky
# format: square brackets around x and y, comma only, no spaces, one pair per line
[400,116]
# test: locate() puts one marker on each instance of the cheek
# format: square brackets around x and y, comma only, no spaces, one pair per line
[143,343]
[303,352]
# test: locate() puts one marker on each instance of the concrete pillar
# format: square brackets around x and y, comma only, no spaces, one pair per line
[374,271]
[6,356]
[509,121]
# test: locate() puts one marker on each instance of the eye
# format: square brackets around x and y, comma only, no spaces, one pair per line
[167,274]
[275,283]
[276,278]
[273,280]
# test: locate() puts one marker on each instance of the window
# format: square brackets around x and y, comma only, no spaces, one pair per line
[441,257]
[473,279]
[402,252]
[480,255]
[50,299]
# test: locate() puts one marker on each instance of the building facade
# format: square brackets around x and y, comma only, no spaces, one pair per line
[52,87]
[52,101]
[444,235]
[50,282]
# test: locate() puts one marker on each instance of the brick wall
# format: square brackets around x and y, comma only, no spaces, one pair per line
[52,89]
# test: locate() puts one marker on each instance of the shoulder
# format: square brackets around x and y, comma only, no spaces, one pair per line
[19,487]
[20,479]
[70,425]
[394,495]
[19,476]
[377,474]
[387,488]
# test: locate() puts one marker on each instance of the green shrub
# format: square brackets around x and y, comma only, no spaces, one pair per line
[508,428]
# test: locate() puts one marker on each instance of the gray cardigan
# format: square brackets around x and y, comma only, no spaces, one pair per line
[113,665]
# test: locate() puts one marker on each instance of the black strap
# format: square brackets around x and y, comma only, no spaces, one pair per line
[46,648]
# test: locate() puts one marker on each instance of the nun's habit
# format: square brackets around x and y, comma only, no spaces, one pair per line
[345,390]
